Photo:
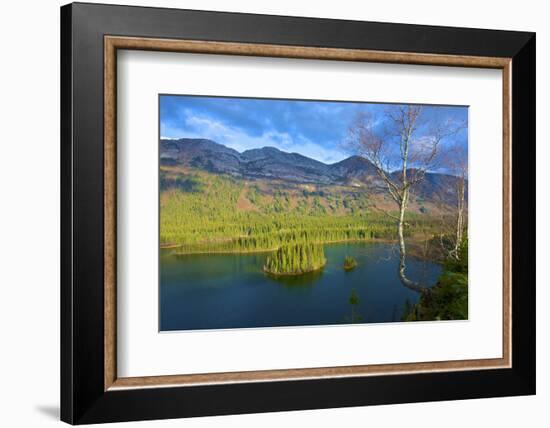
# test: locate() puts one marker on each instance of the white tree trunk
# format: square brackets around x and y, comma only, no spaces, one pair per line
[460,219]
[402,247]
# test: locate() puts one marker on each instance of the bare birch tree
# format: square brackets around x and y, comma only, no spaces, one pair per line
[457,165]
[402,149]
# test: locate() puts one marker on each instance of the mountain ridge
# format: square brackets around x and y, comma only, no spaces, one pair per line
[265,162]
[272,163]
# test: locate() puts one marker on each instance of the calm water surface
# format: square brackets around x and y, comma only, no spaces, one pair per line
[231,291]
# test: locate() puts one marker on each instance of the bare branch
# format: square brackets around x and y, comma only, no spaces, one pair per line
[402,149]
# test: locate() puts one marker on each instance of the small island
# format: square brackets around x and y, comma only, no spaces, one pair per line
[295,259]
[349,263]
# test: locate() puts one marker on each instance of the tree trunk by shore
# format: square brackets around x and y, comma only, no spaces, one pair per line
[403,248]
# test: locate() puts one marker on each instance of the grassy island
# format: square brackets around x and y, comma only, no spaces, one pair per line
[295,259]
[350,263]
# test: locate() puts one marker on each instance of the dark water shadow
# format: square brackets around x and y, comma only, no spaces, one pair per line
[50,411]
[304,280]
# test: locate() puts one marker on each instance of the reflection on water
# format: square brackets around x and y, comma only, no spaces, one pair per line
[231,290]
[292,281]
[353,300]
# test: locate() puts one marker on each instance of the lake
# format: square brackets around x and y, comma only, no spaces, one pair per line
[215,291]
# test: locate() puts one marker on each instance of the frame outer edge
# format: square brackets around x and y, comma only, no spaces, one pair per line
[524,215]
[297,30]
[82,394]
[66,304]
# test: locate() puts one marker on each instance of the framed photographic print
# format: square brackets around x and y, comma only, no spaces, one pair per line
[265,213]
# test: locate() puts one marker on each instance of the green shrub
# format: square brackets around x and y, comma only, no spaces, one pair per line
[349,263]
[448,299]
[459,263]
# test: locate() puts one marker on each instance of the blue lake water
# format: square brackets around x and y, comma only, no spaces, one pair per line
[231,291]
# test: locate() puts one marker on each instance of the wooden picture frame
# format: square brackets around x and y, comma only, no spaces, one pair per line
[91,390]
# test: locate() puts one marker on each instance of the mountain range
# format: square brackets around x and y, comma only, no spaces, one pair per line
[270,163]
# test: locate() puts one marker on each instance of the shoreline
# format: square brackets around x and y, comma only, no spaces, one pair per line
[270,250]
[412,250]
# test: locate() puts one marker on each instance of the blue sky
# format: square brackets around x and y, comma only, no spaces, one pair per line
[317,129]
